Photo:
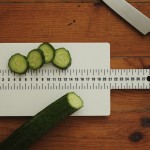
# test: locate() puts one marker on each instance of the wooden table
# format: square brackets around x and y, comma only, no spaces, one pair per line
[85,21]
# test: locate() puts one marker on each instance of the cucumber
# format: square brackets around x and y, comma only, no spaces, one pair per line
[62,58]
[35,58]
[38,125]
[18,63]
[48,51]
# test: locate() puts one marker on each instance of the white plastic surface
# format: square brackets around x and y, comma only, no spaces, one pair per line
[30,102]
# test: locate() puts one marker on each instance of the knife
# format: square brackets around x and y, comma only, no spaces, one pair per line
[130,14]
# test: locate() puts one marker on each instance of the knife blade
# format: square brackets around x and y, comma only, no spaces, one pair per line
[130,14]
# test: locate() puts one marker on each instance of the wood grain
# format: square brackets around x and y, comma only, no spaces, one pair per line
[65,1]
[130,62]
[38,21]
[85,132]
[78,132]
[53,22]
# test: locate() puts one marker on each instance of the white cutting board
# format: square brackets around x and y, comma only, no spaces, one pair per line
[30,102]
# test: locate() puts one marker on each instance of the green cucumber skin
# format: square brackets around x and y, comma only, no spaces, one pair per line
[64,68]
[43,58]
[51,48]
[17,72]
[38,125]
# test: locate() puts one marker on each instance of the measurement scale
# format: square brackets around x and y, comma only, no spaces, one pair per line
[89,76]
[56,79]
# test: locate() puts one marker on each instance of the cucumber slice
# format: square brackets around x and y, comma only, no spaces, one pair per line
[18,63]
[48,51]
[35,58]
[62,58]
[38,125]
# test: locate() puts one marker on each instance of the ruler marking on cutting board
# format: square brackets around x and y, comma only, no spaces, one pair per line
[119,79]
[90,77]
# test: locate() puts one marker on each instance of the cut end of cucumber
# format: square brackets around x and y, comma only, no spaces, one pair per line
[62,58]
[48,51]
[18,63]
[74,100]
